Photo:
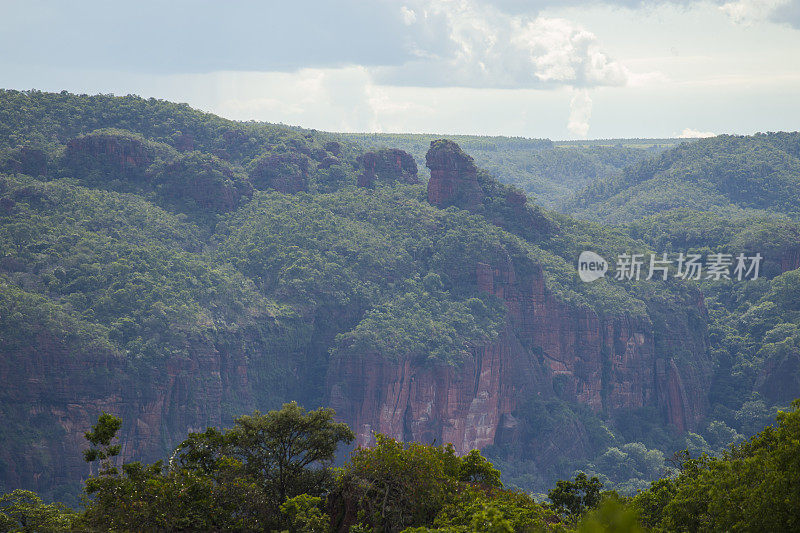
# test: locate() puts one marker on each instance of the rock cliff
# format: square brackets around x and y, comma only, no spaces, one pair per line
[454,177]
[117,154]
[285,172]
[387,165]
[548,349]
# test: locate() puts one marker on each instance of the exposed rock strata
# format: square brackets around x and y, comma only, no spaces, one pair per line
[388,165]
[610,364]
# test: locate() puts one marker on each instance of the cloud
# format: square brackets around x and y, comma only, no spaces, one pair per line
[466,43]
[341,99]
[689,133]
[749,11]
[200,36]
[788,13]
[409,15]
[580,110]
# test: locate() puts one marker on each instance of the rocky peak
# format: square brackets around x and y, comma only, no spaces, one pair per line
[454,176]
[285,172]
[121,152]
[387,165]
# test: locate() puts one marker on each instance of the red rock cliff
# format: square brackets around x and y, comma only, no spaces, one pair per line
[387,165]
[549,347]
[454,177]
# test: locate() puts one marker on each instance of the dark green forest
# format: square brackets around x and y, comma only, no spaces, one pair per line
[272,472]
[548,171]
[178,270]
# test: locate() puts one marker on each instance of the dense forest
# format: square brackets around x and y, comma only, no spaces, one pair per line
[549,172]
[177,271]
[272,472]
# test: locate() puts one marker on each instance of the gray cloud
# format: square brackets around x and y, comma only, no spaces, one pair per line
[183,36]
[467,43]
[420,42]
[433,43]
[788,14]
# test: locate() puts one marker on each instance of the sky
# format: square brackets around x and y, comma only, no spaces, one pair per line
[565,69]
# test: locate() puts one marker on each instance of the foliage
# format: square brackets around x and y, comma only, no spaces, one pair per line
[416,488]
[268,470]
[123,264]
[752,487]
[546,170]
[23,510]
[392,486]
[573,497]
[726,174]
[304,514]
[612,516]
[100,438]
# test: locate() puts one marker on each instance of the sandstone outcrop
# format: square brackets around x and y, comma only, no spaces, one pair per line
[387,165]
[203,181]
[454,176]
[117,155]
[285,172]
[456,181]
[548,349]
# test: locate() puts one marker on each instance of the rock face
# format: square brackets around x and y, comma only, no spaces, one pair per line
[125,155]
[53,389]
[454,177]
[286,172]
[203,181]
[790,260]
[387,165]
[548,349]
[410,400]
[779,379]
[455,181]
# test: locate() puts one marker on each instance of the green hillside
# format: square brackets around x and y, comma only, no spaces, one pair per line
[181,270]
[733,176]
[546,170]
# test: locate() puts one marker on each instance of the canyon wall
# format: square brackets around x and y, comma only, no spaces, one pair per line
[549,348]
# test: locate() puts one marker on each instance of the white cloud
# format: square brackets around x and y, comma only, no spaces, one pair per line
[749,11]
[409,15]
[689,133]
[467,43]
[580,110]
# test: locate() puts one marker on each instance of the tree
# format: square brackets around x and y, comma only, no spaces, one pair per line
[234,479]
[392,486]
[23,510]
[100,438]
[574,497]
[754,486]
[475,468]
[304,514]
[286,453]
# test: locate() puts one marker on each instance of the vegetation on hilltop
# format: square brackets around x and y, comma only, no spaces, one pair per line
[548,172]
[728,175]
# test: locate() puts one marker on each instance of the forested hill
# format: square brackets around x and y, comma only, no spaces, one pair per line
[734,176]
[551,172]
[178,269]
